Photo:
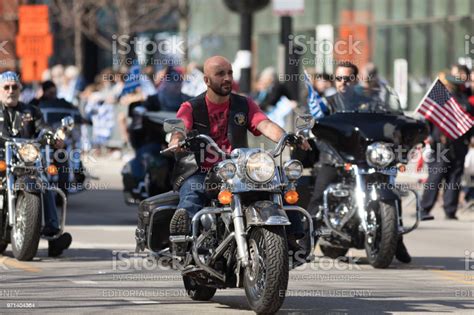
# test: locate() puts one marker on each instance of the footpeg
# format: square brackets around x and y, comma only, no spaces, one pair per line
[179,244]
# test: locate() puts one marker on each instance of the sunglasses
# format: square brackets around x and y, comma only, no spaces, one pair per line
[345,78]
[13,87]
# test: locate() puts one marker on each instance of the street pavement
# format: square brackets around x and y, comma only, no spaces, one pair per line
[95,276]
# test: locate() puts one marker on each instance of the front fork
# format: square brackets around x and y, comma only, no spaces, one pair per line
[360,197]
[11,195]
[240,234]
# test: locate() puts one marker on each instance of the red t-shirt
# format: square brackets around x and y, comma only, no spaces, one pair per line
[218,120]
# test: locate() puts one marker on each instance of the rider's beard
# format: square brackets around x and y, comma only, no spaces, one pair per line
[220,89]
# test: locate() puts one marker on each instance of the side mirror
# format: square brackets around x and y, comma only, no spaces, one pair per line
[174,125]
[67,123]
[304,122]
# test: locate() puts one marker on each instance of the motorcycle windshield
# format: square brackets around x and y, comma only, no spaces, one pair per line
[358,118]
[359,99]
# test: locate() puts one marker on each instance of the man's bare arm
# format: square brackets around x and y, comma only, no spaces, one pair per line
[274,132]
[271,130]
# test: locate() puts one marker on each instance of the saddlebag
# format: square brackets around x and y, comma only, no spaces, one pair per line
[154,216]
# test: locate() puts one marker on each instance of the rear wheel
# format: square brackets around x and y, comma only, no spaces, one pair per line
[198,292]
[25,233]
[381,241]
[266,279]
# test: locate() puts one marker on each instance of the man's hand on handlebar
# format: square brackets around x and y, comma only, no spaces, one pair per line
[174,144]
[304,145]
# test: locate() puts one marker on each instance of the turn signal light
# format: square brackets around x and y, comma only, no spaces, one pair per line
[225,197]
[52,170]
[3,166]
[402,168]
[291,197]
[347,167]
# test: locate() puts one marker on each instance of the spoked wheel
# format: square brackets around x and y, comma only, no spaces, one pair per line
[198,292]
[266,279]
[25,233]
[382,237]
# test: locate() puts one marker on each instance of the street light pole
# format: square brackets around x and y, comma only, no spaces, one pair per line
[246,25]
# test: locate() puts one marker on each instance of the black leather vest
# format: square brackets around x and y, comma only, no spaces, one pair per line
[237,124]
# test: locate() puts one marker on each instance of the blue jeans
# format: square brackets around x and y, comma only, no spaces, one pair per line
[50,211]
[192,197]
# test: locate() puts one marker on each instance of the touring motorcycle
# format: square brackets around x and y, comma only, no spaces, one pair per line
[23,179]
[239,239]
[149,172]
[369,145]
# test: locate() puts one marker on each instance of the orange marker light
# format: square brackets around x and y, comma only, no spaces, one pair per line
[291,197]
[402,168]
[52,170]
[225,197]
[3,166]
[347,167]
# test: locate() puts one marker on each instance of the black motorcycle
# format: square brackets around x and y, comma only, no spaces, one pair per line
[149,172]
[368,145]
[23,180]
[239,238]
[66,167]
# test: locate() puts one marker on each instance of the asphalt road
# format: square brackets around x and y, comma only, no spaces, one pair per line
[94,276]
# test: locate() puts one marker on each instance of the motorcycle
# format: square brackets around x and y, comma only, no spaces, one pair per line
[149,172]
[239,238]
[23,179]
[67,169]
[369,145]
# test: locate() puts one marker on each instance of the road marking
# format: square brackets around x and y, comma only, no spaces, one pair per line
[453,276]
[83,282]
[145,301]
[8,262]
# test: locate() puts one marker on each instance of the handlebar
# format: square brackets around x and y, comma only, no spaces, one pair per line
[185,142]
[290,138]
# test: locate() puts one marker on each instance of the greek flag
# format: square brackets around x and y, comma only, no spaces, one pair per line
[315,102]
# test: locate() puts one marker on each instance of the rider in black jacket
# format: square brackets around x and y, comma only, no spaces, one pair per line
[26,121]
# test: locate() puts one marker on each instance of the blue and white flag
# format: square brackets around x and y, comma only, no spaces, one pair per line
[316,104]
[132,79]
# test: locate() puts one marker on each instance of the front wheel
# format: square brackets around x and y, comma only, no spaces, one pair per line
[382,237]
[266,278]
[25,233]
[198,292]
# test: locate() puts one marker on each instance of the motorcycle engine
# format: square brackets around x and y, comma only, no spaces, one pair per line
[340,203]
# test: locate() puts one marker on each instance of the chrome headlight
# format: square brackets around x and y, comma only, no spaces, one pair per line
[226,170]
[28,152]
[293,169]
[260,167]
[379,154]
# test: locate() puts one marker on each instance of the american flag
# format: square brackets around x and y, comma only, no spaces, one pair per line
[440,107]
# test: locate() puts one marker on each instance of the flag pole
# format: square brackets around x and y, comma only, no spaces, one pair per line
[429,90]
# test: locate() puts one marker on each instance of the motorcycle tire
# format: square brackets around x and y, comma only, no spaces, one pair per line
[266,290]
[333,252]
[380,254]
[3,246]
[198,292]
[25,234]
